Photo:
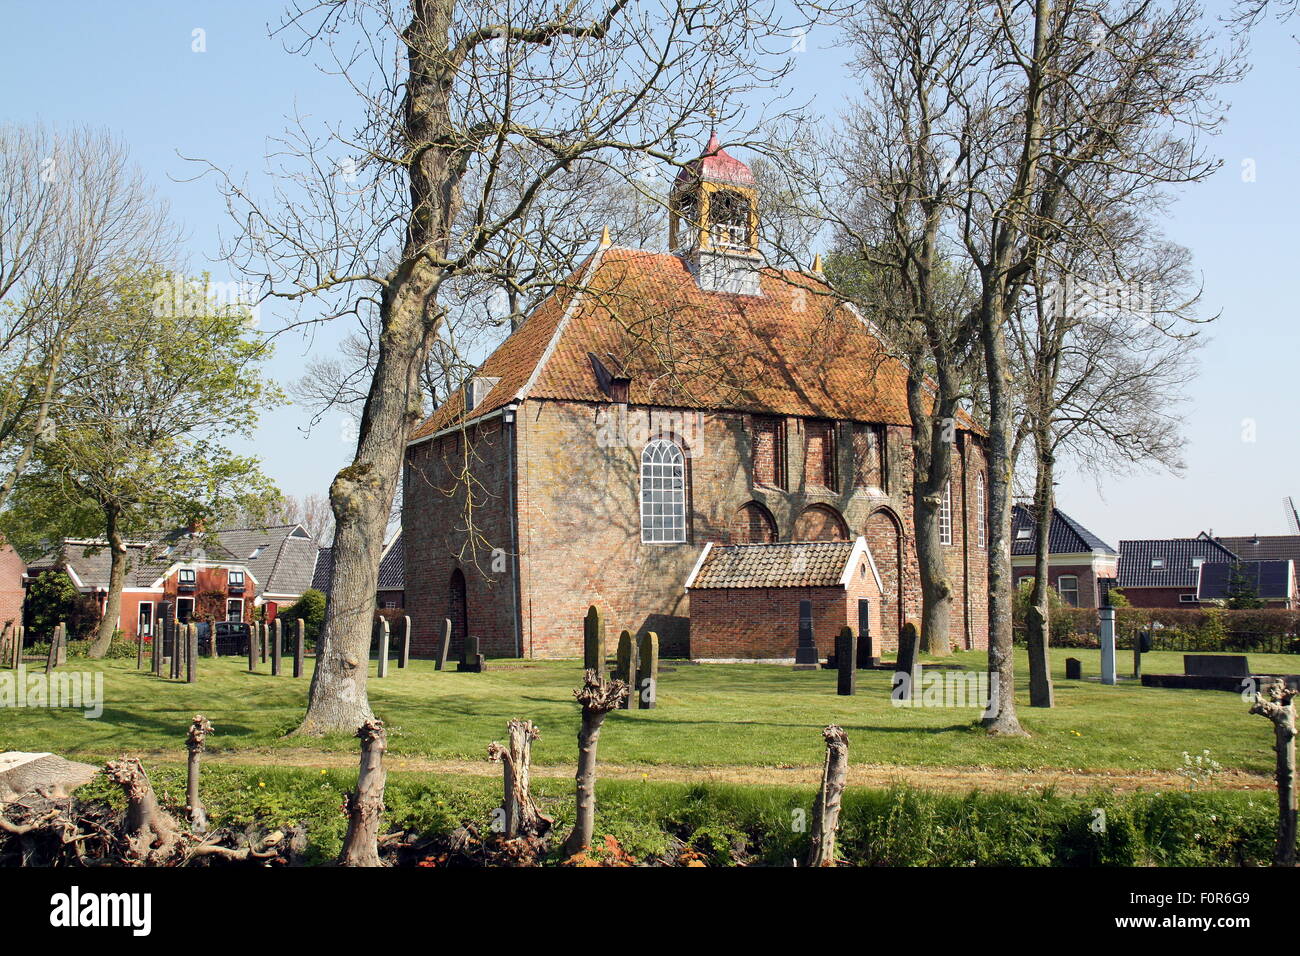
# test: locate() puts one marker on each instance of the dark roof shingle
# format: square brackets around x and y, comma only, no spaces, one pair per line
[798,564]
[1066,536]
[1179,570]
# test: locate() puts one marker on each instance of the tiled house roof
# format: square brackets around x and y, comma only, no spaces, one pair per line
[1066,536]
[392,567]
[794,350]
[280,559]
[1177,557]
[801,564]
[1271,547]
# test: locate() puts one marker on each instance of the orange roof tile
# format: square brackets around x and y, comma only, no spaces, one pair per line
[794,350]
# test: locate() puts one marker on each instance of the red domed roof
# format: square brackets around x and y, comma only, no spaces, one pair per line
[717,165]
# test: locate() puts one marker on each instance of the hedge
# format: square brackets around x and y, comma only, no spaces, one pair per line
[1270,630]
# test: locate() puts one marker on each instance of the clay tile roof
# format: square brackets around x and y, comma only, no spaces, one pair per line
[717,165]
[797,564]
[794,350]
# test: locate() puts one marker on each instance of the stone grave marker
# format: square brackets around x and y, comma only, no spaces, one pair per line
[471,661]
[626,664]
[1073,668]
[404,642]
[805,655]
[381,632]
[444,645]
[593,642]
[907,671]
[61,655]
[277,646]
[868,650]
[191,651]
[299,628]
[647,671]
[846,656]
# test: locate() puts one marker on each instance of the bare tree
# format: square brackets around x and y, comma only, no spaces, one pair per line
[72,210]
[456,93]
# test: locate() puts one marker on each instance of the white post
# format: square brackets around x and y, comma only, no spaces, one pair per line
[1107,645]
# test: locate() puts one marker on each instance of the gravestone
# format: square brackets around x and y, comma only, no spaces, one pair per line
[299,630]
[593,642]
[1073,668]
[157,645]
[471,661]
[191,651]
[444,645]
[177,649]
[52,657]
[907,671]
[404,642]
[252,649]
[277,645]
[262,640]
[381,632]
[805,655]
[868,652]
[647,671]
[846,656]
[61,654]
[1216,665]
[626,664]
[20,635]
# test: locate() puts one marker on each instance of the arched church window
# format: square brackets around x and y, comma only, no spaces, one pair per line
[663,493]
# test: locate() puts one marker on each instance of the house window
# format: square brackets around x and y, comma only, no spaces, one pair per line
[945,515]
[185,577]
[663,493]
[256,551]
[868,461]
[1187,598]
[237,580]
[1157,564]
[145,625]
[819,455]
[1197,562]
[235,611]
[184,610]
[768,440]
[981,519]
[1068,586]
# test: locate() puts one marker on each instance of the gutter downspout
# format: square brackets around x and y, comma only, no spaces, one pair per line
[508,423]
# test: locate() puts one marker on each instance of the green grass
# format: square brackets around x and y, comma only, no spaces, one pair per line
[752,715]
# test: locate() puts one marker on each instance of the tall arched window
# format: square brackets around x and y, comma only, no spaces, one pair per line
[945,515]
[981,530]
[663,493]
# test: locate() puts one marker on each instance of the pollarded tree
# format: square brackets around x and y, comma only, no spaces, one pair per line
[150,397]
[471,109]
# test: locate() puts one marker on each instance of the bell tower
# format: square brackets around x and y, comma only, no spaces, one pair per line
[713,221]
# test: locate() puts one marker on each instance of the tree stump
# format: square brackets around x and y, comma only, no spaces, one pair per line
[1280,709]
[826,812]
[152,835]
[598,696]
[522,818]
[365,805]
[194,743]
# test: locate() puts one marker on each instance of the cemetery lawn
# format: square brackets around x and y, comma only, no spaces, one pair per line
[738,719]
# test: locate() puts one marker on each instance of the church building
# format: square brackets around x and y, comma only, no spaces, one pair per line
[661,406]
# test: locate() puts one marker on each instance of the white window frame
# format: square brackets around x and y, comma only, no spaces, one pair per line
[153,616]
[240,602]
[230,579]
[945,515]
[177,610]
[193,578]
[981,521]
[1063,591]
[661,494]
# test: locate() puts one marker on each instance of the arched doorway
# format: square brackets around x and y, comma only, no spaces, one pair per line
[458,613]
[819,523]
[884,534]
[752,524]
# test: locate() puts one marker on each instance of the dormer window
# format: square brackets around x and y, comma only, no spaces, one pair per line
[186,579]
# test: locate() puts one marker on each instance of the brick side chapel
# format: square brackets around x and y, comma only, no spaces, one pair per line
[657,403]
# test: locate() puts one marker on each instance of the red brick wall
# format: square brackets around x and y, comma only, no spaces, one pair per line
[1087,580]
[12,569]
[1158,597]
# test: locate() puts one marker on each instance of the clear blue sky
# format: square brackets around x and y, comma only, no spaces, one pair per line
[129,67]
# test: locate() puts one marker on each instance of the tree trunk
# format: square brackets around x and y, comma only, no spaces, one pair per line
[598,696]
[1038,620]
[116,579]
[365,805]
[361,495]
[931,472]
[1280,709]
[522,818]
[194,742]
[1002,675]
[826,812]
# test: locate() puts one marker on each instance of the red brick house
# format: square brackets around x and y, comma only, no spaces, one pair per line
[745,597]
[12,591]
[1079,564]
[230,575]
[657,403]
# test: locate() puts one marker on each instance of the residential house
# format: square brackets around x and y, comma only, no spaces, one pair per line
[1080,565]
[391,593]
[1167,572]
